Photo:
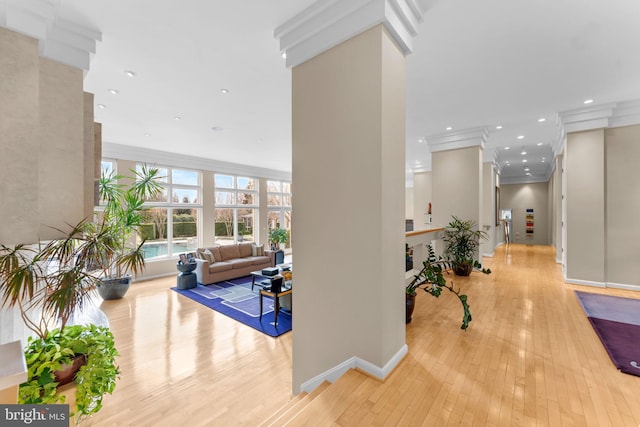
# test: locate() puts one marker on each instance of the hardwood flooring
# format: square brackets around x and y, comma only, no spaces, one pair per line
[529,357]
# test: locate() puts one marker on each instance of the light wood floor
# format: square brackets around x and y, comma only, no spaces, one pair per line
[530,357]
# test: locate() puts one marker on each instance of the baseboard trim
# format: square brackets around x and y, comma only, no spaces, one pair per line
[354,362]
[490,255]
[623,286]
[155,276]
[585,283]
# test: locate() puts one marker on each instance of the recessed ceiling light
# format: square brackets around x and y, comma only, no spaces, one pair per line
[539,144]
[528,174]
[542,119]
[177,118]
[498,127]
[526,169]
[421,140]
[507,162]
[130,73]
[284,55]
[506,148]
[588,101]
[217,129]
[543,160]
[524,160]
[113,91]
[449,128]
[524,153]
[224,90]
[520,136]
[147,134]
[101,106]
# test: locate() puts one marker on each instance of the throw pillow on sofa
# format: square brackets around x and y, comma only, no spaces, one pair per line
[208,256]
[257,250]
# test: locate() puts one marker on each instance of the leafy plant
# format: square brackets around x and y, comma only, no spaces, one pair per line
[94,379]
[462,241]
[50,282]
[122,219]
[279,235]
[432,280]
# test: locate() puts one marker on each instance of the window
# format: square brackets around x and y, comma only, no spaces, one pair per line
[171,223]
[108,167]
[279,205]
[236,210]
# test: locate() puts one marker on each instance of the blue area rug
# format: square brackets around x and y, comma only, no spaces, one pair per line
[235,299]
[616,320]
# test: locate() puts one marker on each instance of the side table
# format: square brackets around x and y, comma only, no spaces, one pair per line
[186,278]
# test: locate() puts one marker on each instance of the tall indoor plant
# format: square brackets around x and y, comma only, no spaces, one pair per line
[120,227]
[461,244]
[51,282]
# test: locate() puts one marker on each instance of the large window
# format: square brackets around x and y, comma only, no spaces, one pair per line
[236,210]
[171,223]
[279,206]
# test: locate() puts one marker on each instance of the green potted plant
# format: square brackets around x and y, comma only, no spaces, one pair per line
[89,350]
[461,243]
[121,227]
[431,278]
[49,284]
[279,237]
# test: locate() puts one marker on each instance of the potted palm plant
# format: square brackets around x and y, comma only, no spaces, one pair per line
[49,283]
[462,241]
[120,228]
[431,278]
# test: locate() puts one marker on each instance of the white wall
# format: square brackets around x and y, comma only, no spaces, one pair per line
[488,209]
[585,204]
[408,202]
[622,205]
[457,185]
[520,197]
[422,196]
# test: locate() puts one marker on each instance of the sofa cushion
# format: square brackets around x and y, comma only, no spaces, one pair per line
[245,249]
[219,266]
[257,260]
[228,252]
[240,262]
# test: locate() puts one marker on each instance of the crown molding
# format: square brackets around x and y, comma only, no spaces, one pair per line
[164,158]
[626,113]
[59,40]
[327,23]
[587,118]
[455,140]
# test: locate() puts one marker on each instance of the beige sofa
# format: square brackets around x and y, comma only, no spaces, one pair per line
[231,261]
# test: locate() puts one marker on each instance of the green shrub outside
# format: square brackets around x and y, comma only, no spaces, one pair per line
[148,231]
[184,229]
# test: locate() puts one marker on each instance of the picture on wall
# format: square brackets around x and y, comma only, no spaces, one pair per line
[529,223]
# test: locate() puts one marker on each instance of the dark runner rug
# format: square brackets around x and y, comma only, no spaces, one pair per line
[616,320]
[234,299]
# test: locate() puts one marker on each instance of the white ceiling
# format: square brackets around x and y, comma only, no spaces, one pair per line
[476,64]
